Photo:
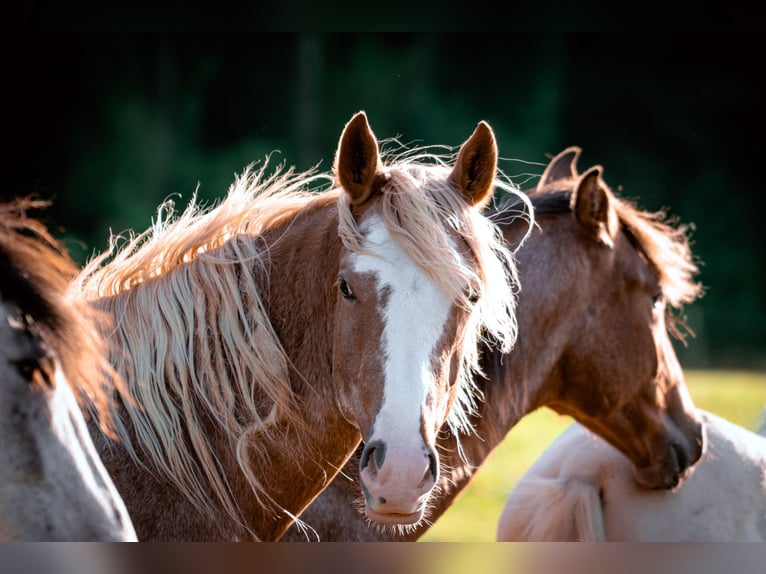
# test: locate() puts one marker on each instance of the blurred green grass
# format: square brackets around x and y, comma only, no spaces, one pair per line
[736,395]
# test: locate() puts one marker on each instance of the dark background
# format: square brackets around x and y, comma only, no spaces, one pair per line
[110,125]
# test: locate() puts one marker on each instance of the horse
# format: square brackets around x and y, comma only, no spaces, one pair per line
[602,284]
[581,489]
[53,486]
[264,337]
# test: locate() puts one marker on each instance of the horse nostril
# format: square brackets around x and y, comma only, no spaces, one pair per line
[432,473]
[379,454]
[682,460]
[376,449]
[433,466]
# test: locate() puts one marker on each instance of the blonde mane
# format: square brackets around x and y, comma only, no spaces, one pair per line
[199,280]
[417,200]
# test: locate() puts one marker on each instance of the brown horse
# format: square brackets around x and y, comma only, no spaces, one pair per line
[53,486]
[264,338]
[599,277]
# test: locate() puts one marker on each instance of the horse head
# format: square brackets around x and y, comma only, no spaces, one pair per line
[418,281]
[620,375]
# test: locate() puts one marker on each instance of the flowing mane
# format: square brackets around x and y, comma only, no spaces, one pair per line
[36,271]
[181,261]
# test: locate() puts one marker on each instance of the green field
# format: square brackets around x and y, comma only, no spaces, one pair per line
[736,395]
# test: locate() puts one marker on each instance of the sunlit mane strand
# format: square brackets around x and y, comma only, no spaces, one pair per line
[183,360]
[256,201]
[420,207]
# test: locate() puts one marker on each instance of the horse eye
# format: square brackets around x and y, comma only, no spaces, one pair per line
[345,290]
[657,301]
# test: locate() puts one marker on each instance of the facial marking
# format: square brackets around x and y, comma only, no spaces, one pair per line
[68,426]
[414,317]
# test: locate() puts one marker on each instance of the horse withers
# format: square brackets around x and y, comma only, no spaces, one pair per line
[263,338]
[53,486]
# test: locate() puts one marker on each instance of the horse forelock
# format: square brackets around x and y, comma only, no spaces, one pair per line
[208,352]
[36,272]
[666,245]
[422,210]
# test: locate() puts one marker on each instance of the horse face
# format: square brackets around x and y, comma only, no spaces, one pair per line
[399,344]
[621,375]
[52,483]
[400,338]
[633,389]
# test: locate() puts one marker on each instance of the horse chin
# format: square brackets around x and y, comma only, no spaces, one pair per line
[658,478]
[403,519]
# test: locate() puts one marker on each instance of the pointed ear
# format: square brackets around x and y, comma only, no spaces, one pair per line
[476,166]
[592,206]
[357,160]
[563,166]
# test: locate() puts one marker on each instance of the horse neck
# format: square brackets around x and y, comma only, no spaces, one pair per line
[517,383]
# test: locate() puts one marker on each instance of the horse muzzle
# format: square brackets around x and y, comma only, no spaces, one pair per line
[677,461]
[397,481]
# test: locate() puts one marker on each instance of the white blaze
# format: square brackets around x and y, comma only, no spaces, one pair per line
[415,315]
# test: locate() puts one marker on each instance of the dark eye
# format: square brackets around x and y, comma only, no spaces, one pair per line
[345,290]
[657,301]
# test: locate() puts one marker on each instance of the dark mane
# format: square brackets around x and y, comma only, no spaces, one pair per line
[33,278]
[549,201]
[35,274]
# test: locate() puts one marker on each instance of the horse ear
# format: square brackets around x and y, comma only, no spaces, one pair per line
[476,166]
[592,206]
[563,166]
[357,160]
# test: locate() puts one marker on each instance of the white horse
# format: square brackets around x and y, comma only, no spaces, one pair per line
[582,489]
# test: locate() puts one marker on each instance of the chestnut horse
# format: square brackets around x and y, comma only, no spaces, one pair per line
[263,338]
[53,486]
[599,277]
[582,489]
